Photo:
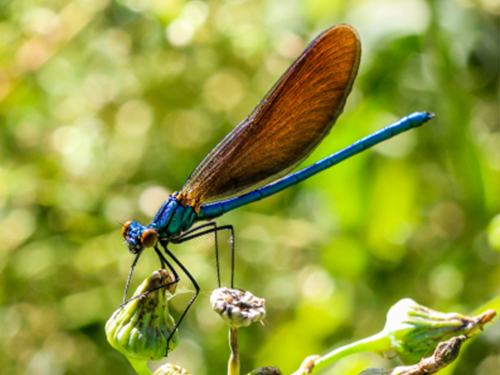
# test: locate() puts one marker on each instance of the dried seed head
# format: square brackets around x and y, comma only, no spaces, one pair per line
[170,369]
[238,308]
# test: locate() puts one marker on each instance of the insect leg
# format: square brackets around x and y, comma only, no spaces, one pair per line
[193,281]
[130,272]
[187,235]
[164,262]
[194,233]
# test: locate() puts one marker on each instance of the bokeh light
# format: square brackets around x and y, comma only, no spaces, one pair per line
[106,107]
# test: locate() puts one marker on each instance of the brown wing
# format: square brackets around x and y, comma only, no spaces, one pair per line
[286,126]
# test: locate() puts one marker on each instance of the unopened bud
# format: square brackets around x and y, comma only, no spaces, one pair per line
[140,330]
[415,331]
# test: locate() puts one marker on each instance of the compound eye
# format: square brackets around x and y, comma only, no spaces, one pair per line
[125,228]
[149,238]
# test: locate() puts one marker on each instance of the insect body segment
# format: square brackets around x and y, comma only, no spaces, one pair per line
[175,216]
[132,232]
[216,209]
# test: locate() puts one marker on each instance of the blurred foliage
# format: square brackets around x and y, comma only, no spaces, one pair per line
[106,107]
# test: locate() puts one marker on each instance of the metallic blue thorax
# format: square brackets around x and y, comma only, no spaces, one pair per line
[173,218]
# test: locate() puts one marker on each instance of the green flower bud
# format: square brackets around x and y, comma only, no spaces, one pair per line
[238,308]
[140,330]
[415,331]
[170,369]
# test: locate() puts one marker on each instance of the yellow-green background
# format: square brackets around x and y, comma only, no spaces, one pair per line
[106,107]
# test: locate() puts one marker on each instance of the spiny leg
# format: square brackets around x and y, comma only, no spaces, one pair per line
[198,228]
[164,263]
[130,272]
[193,281]
[188,235]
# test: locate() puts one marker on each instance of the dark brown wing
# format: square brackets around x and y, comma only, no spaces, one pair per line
[286,126]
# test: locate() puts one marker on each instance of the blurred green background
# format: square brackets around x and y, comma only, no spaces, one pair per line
[106,107]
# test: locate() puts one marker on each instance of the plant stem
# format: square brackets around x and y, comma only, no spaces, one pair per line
[376,343]
[234,358]
[140,366]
